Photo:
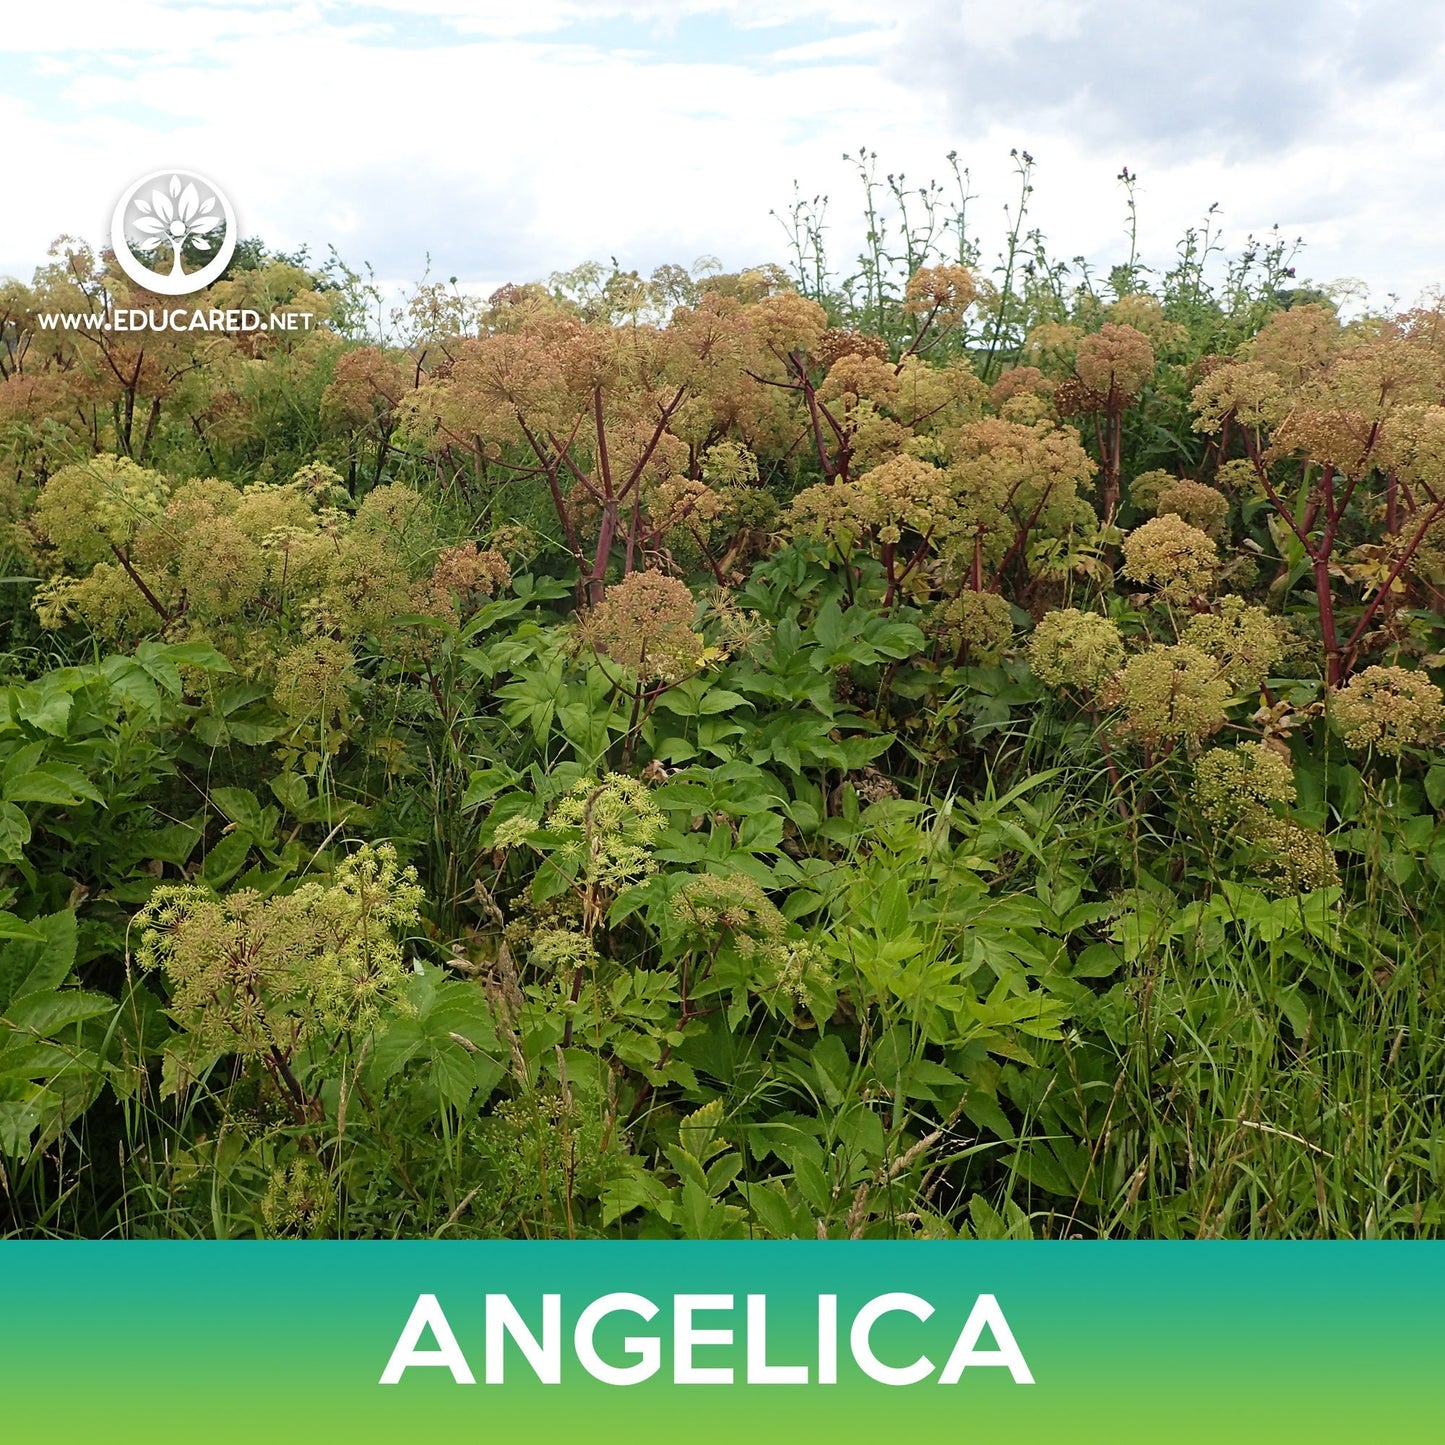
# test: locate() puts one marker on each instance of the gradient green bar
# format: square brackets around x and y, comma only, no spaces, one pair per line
[1127,1342]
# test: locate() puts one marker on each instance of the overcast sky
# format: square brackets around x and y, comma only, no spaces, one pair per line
[510,138]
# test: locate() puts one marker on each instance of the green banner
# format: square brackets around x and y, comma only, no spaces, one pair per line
[716,1342]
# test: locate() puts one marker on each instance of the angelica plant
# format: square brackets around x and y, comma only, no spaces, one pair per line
[266,978]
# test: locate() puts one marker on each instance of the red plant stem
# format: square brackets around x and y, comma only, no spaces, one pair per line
[597,578]
[665,416]
[1352,646]
[922,332]
[1021,540]
[140,582]
[549,468]
[602,459]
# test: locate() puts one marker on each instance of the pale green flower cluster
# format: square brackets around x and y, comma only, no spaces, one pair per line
[1246,640]
[257,976]
[607,829]
[1070,648]
[1238,790]
[1388,709]
[1199,505]
[1295,858]
[1172,694]
[252,570]
[300,1199]
[711,910]
[87,510]
[1146,489]
[1175,560]
[561,950]
[977,624]
[315,682]
[734,907]
[646,624]
[1235,785]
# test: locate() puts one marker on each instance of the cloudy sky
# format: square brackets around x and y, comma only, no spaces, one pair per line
[509,138]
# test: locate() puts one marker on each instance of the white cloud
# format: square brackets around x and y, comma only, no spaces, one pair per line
[508,140]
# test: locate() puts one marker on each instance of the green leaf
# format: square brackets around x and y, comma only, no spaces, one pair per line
[153,659]
[240,805]
[13,927]
[290,790]
[14,833]
[38,965]
[45,706]
[175,843]
[46,1013]
[1098,960]
[226,859]
[717,699]
[197,654]
[62,784]
[485,784]
[1435,786]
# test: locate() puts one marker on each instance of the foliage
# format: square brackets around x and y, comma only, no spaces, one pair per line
[932,752]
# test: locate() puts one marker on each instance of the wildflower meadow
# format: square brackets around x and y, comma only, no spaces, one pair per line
[931,745]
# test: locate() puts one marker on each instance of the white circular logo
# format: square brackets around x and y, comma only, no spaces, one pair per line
[160,218]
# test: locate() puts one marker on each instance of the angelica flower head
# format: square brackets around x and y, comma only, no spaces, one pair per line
[947,290]
[1246,390]
[979,624]
[1233,785]
[1020,381]
[1297,859]
[1074,648]
[607,829]
[1146,489]
[1388,709]
[315,682]
[1115,361]
[1174,559]
[462,575]
[86,510]
[729,464]
[248,975]
[1052,347]
[1171,695]
[1199,505]
[1246,640]
[786,322]
[647,623]
[300,1199]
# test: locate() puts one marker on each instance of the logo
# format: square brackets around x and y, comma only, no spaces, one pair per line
[164,221]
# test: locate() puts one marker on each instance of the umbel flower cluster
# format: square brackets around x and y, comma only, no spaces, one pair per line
[261,977]
[1239,791]
[284,580]
[1169,693]
[598,839]
[646,625]
[732,913]
[1339,432]
[1389,709]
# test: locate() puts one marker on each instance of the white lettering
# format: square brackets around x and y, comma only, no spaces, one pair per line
[427,1313]
[986,1311]
[685,1337]
[503,1320]
[863,1354]
[760,1372]
[646,1347]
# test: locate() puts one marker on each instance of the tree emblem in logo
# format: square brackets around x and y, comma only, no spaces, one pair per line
[170,219]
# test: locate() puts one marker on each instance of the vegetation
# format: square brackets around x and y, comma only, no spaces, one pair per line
[938,751]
